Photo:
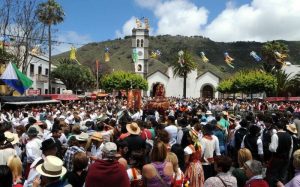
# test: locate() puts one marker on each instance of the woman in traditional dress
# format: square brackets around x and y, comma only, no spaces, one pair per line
[194,171]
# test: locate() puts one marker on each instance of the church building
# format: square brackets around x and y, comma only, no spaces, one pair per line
[197,85]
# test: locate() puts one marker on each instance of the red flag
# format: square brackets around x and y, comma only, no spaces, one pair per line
[97,65]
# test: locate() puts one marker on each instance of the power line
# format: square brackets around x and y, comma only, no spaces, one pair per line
[41,39]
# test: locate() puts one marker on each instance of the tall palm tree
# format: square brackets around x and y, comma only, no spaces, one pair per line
[50,13]
[270,59]
[183,67]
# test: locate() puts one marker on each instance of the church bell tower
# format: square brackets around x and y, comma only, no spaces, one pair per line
[140,45]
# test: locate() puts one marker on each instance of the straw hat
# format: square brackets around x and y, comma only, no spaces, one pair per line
[208,112]
[97,136]
[52,167]
[225,113]
[82,137]
[292,128]
[133,128]
[11,137]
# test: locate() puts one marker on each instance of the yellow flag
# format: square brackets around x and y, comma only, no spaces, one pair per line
[73,55]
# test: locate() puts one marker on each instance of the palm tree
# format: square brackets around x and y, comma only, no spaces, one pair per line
[287,84]
[183,67]
[50,13]
[270,59]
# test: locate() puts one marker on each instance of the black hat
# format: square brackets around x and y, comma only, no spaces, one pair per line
[48,144]
[2,136]
[254,129]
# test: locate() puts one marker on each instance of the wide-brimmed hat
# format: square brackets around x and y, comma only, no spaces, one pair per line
[48,144]
[110,149]
[32,131]
[82,137]
[232,117]
[97,136]
[292,128]
[133,128]
[208,112]
[52,167]
[11,137]
[225,113]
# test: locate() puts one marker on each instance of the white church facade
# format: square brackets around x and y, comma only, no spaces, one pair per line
[203,85]
[197,85]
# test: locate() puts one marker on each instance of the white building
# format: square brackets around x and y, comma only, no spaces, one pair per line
[38,71]
[203,85]
[197,85]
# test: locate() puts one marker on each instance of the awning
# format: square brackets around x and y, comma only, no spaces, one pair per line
[280,99]
[63,97]
[102,94]
[31,102]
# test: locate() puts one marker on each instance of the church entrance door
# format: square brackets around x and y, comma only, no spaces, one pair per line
[208,92]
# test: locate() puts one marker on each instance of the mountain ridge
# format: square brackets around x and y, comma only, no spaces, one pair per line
[120,54]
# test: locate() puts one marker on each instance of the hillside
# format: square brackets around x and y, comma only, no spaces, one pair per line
[120,52]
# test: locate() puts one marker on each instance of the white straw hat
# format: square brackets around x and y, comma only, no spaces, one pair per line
[52,167]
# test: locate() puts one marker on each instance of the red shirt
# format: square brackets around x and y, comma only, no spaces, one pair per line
[107,173]
[146,133]
[257,183]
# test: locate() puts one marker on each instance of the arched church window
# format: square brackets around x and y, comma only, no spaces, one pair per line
[142,43]
[138,43]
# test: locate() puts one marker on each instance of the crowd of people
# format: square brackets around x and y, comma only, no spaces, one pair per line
[195,143]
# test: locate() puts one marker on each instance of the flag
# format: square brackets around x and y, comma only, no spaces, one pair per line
[106,55]
[228,60]
[255,56]
[134,55]
[15,78]
[97,65]
[73,55]
[203,57]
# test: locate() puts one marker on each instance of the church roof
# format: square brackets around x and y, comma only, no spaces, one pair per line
[207,72]
[156,72]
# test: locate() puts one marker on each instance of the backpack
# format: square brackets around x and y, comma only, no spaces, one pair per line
[238,137]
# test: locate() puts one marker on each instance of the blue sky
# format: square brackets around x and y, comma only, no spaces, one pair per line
[221,20]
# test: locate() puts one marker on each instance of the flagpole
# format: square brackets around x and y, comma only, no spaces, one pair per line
[97,70]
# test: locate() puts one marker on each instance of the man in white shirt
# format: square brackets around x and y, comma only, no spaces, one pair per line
[172,130]
[210,146]
[33,148]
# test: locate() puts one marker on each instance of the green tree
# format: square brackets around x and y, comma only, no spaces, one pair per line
[50,13]
[249,82]
[183,67]
[226,86]
[269,56]
[74,76]
[120,80]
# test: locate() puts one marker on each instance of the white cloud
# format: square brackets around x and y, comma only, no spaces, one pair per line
[148,3]
[127,28]
[175,17]
[68,37]
[180,17]
[261,20]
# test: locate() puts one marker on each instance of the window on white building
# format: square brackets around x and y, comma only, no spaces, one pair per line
[40,70]
[46,71]
[31,69]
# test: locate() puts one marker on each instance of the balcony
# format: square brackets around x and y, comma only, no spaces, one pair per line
[41,78]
